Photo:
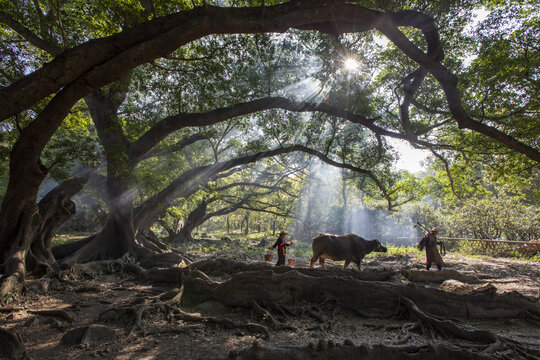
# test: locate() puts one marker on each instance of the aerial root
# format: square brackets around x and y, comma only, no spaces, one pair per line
[11,343]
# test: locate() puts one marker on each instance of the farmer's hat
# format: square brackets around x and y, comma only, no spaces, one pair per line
[282,233]
[435,230]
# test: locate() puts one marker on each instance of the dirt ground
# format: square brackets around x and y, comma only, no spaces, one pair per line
[85,299]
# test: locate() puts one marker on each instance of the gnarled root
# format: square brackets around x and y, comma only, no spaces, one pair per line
[265,314]
[328,350]
[226,323]
[449,328]
[12,345]
[91,269]
[166,303]
[11,288]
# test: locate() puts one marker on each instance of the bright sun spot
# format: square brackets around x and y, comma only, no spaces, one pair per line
[350,64]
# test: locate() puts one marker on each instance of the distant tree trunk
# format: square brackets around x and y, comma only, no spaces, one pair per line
[307,221]
[173,232]
[228,226]
[194,219]
[247,223]
[346,223]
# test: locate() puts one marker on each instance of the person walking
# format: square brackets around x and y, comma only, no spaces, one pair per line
[430,242]
[282,248]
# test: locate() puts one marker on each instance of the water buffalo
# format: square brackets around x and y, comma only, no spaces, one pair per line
[348,247]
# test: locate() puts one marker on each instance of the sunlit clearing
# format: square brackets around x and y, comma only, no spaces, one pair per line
[350,64]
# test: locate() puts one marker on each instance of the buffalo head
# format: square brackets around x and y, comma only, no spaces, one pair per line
[379,247]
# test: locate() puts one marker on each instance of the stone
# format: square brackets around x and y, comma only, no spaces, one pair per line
[32,321]
[398,278]
[456,287]
[88,335]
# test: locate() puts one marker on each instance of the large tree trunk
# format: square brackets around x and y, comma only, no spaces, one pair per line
[19,216]
[55,208]
[118,236]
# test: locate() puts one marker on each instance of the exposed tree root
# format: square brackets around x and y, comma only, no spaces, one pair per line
[438,276]
[366,298]
[226,323]
[12,345]
[265,314]
[449,328]
[11,288]
[275,294]
[64,250]
[164,259]
[9,309]
[329,350]
[64,315]
[96,268]
[220,267]
[178,330]
[166,303]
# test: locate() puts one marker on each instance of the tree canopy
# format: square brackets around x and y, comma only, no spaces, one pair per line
[186,111]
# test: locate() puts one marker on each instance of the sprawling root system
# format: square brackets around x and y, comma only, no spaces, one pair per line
[226,309]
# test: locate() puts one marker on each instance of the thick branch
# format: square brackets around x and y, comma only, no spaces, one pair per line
[199,176]
[181,144]
[448,82]
[47,45]
[103,61]
[182,120]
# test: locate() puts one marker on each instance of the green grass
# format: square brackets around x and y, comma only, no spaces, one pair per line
[244,246]
[394,250]
[60,239]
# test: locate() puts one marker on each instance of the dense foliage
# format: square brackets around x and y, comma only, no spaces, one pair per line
[473,184]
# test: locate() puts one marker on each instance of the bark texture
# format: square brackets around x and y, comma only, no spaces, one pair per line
[329,350]
[364,297]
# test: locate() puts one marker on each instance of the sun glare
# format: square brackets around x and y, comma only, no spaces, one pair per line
[350,64]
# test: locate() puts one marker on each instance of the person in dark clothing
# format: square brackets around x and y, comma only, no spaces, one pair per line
[430,242]
[282,248]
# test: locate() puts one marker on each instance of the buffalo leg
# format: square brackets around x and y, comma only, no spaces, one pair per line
[359,263]
[347,262]
[321,262]
[312,262]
